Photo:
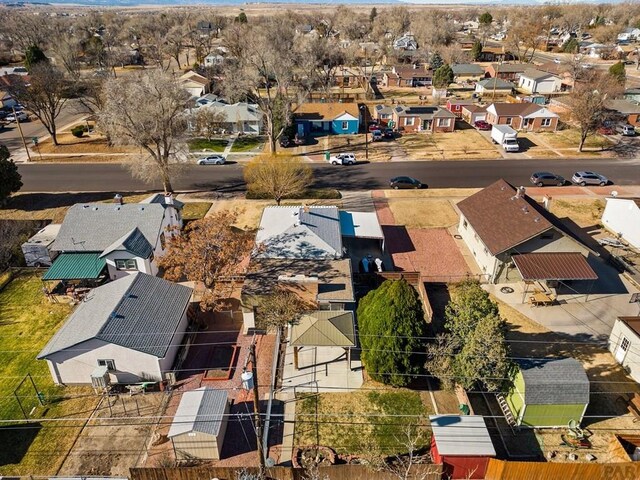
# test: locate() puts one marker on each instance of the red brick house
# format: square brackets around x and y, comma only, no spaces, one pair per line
[505,71]
[431,118]
[408,76]
[625,110]
[455,106]
[522,116]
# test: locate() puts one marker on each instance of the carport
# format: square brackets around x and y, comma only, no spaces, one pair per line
[552,268]
[361,225]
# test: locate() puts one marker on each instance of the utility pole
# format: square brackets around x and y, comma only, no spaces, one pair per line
[256,405]
[24,142]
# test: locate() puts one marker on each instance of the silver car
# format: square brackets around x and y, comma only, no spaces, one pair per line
[589,178]
[212,160]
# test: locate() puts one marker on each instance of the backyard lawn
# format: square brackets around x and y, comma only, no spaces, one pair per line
[195,210]
[27,322]
[584,212]
[346,421]
[214,145]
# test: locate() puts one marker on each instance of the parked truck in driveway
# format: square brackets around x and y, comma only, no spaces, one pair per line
[506,137]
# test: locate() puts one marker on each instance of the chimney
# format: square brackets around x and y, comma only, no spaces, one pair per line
[520,192]
[168,198]
[546,202]
[305,208]
[117,199]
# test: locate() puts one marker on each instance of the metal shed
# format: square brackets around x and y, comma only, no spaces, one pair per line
[37,251]
[199,425]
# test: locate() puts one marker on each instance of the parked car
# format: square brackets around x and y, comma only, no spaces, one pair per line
[626,130]
[546,178]
[589,178]
[482,125]
[343,159]
[18,116]
[212,160]
[606,130]
[373,126]
[389,133]
[376,136]
[285,142]
[404,182]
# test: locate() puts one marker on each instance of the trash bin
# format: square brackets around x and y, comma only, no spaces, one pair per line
[464,408]
[327,155]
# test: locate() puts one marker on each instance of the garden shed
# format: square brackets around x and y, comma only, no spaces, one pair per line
[549,392]
[461,444]
[199,425]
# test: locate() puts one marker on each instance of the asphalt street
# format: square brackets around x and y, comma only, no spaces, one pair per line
[435,174]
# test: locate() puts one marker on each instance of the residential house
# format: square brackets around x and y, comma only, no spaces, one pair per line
[630,34]
[194,83]
[124,238]
[455,106]
[6,100]
[505,71]
[208,99]
[535,81]
[326,118]
[383,114]
[408,76]
[467,72]
[562,70]
[624,344]
[205,28]
[241,117]
[423,118]
[494,54]
[621,217]
[213,59]
[523,116]
[405,42]
[489,86]
[596,50]
[129,330]
[200,424]
[472,113]
[349,77]
[461,444]
[548,392]
[632,94]
[501,222]
[625,110]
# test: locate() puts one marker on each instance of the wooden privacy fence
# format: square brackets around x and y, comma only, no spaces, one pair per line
[337,472]
[502,470]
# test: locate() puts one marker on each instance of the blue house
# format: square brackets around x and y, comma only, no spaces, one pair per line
[326,118]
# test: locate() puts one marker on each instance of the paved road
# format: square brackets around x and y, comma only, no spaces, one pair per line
[440,174]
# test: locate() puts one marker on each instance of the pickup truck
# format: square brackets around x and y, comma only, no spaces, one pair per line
[506,137]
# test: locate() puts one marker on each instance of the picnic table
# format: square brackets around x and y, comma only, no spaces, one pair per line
[139,387]
[541,299]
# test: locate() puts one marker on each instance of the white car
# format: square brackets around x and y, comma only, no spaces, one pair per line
[212,160]
[343,159]
[19,116]
[589,178]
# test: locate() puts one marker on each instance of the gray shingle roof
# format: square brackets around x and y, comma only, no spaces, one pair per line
[534,74]
[132,242]
[93,227]
[201,410]
[160,200]
[139,311]
[552,381]
[500,84]
[467,69]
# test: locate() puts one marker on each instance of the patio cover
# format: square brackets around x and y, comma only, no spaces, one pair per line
[361,225]
[554,266]
[324,328]
[76,266]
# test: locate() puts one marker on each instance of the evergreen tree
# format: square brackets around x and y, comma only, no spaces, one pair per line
[443,76]
[436,61]
[10,178]
[241,18]
[33,55]
[373,14]
[618,73]
[485,19]
[570,46]
[392,330]
[476,50]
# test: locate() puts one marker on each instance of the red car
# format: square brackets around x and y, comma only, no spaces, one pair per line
[373,126]
[604,130]
[482,125]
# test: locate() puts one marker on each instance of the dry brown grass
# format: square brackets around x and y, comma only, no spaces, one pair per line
[423,213]
[80,159]
[569,138]
[431,192]
[583,211]
[93,143]
[249,211]
[458,145]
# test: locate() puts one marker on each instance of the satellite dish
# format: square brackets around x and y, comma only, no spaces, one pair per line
[614,193]
[269,462]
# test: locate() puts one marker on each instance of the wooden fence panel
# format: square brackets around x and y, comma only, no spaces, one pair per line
[502,470]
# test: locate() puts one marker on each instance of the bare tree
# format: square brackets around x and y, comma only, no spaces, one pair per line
[45,94]
[282,307]
[207,122]
[524,35]
[277,177]
[146,109]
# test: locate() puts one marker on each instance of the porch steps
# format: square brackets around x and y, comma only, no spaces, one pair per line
[506,410]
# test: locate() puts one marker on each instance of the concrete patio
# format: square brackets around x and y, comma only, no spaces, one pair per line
[322,369]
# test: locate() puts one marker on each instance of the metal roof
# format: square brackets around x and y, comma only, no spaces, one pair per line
[633,323]
[138,311]
[133,242]
[553,381]
[93,227]
[360,225]
[462,435]
[324,328]
[201,410]
[76,266]
[554,266]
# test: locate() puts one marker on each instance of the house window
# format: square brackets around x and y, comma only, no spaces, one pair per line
[345,125]
[485,250]
[546,122]
[509,120]
[163,241]
[444,122]
[464,224]
[128,264]
[528,122]
[409,121]
[110,364]
[624,345]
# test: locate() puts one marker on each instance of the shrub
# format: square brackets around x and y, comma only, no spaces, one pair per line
[79,130]
[310,193]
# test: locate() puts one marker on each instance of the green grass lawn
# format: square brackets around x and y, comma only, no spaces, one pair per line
[214,145]
[247,143]
[27,322]
[195,210]
[346,423]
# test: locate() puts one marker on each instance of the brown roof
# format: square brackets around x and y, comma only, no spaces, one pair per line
[509,67]
[515,109]
[410,72]
[554,266]
[632,322]
[501,219]
[474,108]
[326,111]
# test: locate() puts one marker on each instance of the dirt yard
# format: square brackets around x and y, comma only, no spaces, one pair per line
[89,143]
[582,211]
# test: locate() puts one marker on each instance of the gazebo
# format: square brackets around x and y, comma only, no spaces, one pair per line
[552,268]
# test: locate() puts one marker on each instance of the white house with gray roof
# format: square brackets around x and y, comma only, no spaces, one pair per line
[133,326]
[239,117]
[200,423]
[126,238]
